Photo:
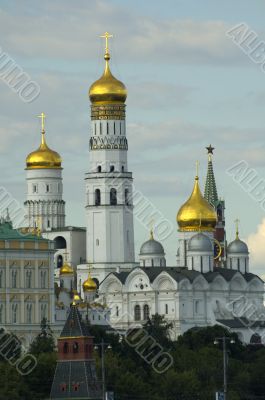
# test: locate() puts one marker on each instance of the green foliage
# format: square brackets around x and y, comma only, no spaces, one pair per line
[196,372]
[42,344]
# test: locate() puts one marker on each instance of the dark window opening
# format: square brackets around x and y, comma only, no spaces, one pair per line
[113,197]
[146,312]
[112,169]
[137,313]
[97,197]
[65,347]
[99,168]
[75,347]
[60,242]
[126,195]
[59,261]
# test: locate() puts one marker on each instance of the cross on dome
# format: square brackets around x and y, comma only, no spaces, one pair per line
[42,116]
[107,36]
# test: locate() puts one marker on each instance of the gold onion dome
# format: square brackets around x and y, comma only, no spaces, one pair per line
[43,157]
[76,297]
[89,285]
[196,214]
[66,269]
[107,89]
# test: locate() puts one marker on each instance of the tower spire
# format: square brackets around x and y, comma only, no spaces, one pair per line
[210,191]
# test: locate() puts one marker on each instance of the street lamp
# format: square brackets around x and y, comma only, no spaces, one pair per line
[103,345]
[224,340]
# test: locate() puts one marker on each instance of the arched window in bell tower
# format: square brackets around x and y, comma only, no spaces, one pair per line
[97,197]
[113,197]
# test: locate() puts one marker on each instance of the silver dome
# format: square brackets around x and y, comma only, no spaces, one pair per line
[200,242]
[237,246]
[152,247]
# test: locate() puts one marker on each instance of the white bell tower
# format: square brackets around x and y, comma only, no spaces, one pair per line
[45,207]
[109,208]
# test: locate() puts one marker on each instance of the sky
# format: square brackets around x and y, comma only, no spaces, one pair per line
[188,84]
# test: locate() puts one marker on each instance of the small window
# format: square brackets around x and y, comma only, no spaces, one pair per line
[114,128]
[99,168]
[48,223]
[113,197]
[107,128]
[97,197]
[100,128]
[137,313]
[47,188]
[97,242]
[122,168]
[166,308]
[146,311]
[117,311]
[112,169]
[65,347]
[126,196]
[75,347]
[35,189]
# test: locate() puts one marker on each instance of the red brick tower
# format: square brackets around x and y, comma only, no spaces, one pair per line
[75,374]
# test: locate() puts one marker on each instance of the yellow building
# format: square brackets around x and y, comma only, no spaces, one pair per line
[26,281]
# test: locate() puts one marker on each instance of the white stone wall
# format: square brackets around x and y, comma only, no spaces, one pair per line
[44,204]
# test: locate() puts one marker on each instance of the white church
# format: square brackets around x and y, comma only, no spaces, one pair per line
[210,283]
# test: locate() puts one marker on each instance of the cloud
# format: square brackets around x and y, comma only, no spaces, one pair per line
[139,37]
[150,95]
[256,246]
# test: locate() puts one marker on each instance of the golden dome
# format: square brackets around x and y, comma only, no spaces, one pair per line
[76,297]
[66,269]
[43,157]
[89,285]
[107,89]
[196,214]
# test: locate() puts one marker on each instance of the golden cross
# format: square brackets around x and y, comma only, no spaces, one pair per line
[90,267]
[237,231]
[197,168]
[42,116]
[107,36]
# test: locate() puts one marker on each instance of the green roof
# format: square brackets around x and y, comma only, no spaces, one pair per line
[7,232]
